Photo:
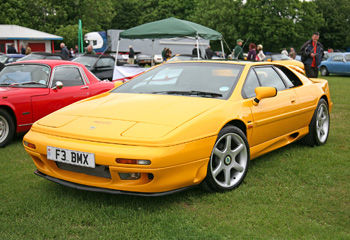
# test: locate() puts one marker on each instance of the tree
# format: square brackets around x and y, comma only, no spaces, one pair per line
[220,17]
[278,24]
[335,31]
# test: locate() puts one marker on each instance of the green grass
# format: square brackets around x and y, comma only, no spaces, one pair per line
[296,192]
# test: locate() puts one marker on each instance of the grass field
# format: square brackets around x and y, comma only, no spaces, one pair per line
[296,192]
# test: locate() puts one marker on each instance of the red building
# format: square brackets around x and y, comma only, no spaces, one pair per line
[38,41]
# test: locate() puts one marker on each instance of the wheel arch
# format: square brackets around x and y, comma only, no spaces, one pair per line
[11,112]
[238,123]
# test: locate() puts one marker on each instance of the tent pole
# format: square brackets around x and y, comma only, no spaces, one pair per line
[222,48]
[152,53]
[116,53]
[116,59]
[197,46]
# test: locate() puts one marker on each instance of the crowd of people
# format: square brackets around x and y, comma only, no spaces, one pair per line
[25,50]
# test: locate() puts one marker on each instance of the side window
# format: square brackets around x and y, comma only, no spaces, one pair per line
[105,62]
[347,58]
[338,58]
[69,76]
[268,77]
[250,84]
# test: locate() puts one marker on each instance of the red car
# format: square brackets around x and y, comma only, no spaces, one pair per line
[30,90]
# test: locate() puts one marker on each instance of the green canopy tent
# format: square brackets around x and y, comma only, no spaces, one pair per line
[170,28]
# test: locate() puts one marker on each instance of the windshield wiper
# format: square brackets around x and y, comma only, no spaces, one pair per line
[32,82]
[189,93]
[5,84]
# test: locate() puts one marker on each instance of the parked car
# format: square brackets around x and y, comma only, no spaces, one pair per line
[9,58]
[41,55]
[100,65]
[328,55]
[143,59]
[337,64]
[157,59]
[30,90]
[179,125]
[281,58]
[183,57]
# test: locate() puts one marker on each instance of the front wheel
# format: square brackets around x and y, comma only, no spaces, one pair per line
[324,71]
[319,126]
[229,160]
[7,128]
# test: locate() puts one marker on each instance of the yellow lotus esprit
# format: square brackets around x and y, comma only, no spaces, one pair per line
[180,125]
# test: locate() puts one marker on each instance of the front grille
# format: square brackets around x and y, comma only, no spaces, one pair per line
[98,171]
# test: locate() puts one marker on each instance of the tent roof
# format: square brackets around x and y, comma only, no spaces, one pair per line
[169,28]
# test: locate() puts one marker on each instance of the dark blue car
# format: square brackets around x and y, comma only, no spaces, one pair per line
[9,58]
[337,64]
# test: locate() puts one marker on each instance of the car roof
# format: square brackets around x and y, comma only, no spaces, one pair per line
[46,54]
[96,56]
[51,63]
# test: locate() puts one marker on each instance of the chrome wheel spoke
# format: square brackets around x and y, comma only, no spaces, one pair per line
[218,169]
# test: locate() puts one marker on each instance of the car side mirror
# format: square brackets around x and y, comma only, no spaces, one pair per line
[118,83]
[263,92]
[58,85]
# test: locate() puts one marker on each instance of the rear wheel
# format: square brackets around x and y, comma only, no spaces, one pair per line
[229,160]
[319,126]
[7,128]
[324,71]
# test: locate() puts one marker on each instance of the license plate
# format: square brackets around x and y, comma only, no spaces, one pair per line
[83,159]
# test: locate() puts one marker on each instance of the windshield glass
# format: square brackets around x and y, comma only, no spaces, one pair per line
[29,75]
[190,79]
[3,58]
[278,57]
[86,61]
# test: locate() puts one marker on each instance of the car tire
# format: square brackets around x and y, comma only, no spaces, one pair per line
[7,128]
[324,71]
[229,161]
[319,126]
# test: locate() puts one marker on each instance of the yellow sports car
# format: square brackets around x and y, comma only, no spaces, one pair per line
[180,125]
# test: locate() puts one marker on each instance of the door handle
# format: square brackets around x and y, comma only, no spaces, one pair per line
[85,87]
[293,99]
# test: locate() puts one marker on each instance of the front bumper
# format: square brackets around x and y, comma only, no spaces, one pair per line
[172,169]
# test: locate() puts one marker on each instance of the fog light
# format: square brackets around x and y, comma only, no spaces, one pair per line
[30,145]
[129,176]
[133,161]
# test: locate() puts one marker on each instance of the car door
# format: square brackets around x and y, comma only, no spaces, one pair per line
[104,68]
[276,116]
[338,64]
[74,89]
[347,63]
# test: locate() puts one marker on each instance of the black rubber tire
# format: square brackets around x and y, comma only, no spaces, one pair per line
[7,128]
[313,137]
[324,71]
[238,156]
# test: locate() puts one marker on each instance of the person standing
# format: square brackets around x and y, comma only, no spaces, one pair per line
[11,49]
[64,52]
[311,55]
[131,55]
[261,54]
[285,52]
[292,53]
[252,52]
[209,53]
[194,51]
[89,51]
[23,49]
[238,51]
[28,50]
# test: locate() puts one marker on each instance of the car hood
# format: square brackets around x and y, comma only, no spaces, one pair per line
[120,117]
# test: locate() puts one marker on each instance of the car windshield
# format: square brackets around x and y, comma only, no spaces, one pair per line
[279,57]
[3,58]
[33,57]
[213,80]
[25,75]
[86,61]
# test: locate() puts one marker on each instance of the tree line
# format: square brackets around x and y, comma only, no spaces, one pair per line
[275,24]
